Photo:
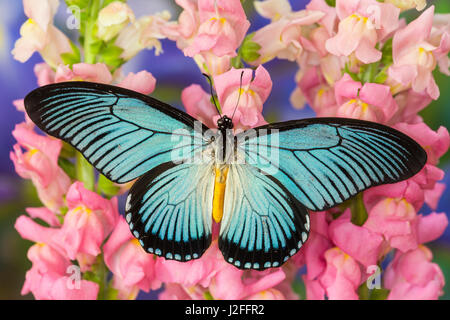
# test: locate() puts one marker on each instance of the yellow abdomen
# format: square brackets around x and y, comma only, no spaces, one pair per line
[219,193]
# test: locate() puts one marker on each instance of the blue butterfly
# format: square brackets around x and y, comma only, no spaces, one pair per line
[259,184]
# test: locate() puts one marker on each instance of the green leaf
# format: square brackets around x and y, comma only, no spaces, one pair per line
[67,151]
[331,3]
[106,186]
[358,210]
[111,293]
[84,172]
[208,296]
[107,2]
[70,58]
[68,167]
[236,62]
[353,75]
[382,76]
[379,294]
[249,49]
[110,55]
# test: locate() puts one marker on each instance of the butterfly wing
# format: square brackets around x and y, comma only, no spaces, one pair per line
[169,210]
[263,223]
[122,133]
[325,161]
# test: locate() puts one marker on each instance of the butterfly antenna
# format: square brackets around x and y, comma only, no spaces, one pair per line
[239,96]
[212,94]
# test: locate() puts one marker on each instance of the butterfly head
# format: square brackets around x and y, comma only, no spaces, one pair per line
[224,123]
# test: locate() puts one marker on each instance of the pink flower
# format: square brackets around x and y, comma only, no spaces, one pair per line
[431,227]
[191,273]
[231,283]
[416,190]
[283,37]
[112,19]
[132,267]
[371,101]
[185,29]
[435,143]
[415,57]
[363,23]
[44,73]
[40,164]
[87,223]
[50,277]
[144,33]
[440,37]
[223,25]
[98,72]
[394,218]
[45,215]
[409,104]
[143,82]
[313,89]
[198,104]
[39,34]
[251,96]
[362,244]
[312,253]
[341,277]
[412,275]
[20,106]
[329,19]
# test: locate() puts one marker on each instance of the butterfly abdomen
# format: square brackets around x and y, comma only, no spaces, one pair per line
[219,192]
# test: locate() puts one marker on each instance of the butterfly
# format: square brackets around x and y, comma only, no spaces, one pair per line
[259,183]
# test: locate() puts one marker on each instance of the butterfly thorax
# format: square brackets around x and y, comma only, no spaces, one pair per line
[224,151]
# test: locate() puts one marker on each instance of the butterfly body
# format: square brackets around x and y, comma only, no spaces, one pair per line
[259,184]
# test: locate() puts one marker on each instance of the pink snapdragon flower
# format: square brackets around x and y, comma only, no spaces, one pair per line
[312,88]
[283,37]
[371,101]
[143,82]
[98,72]
[312,253]
[145,33]
[412,275]
[39,163]
[246,102]
[435,143]
[222,28]
[415,54]
[198,104]
[132,267]
[50,277]
[39,34]
[362,24]
[339,281]
[87,223]
[362,244]
[191,273]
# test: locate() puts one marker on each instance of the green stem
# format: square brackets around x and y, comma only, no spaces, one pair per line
[89,56]
[85,172]
[358,210]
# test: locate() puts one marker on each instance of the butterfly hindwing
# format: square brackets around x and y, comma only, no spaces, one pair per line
[263,224]
[122,133]
[325,161]
[169,210]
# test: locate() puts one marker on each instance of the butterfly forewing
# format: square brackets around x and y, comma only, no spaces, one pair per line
[122,133]
[325,161]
